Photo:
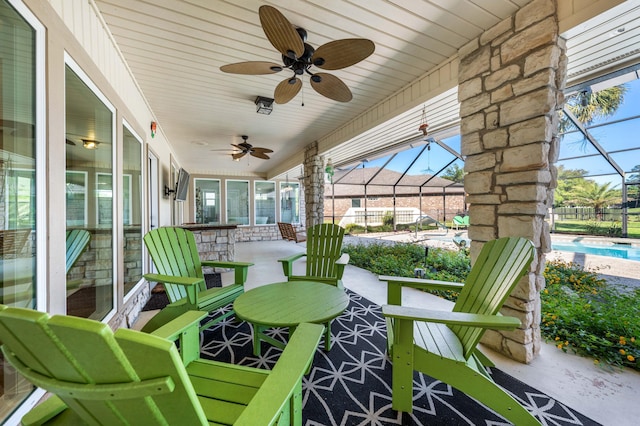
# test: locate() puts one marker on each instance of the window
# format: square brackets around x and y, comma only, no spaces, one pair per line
[132,206]
[238,202]
[265,201]
[355,202]
[89,161]
[290,202]
[21,164]
[207,200]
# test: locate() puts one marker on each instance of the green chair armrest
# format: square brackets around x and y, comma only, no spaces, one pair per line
[287,263]
[241,268]
[226,264]
[285,378]
[170,279]
[497,322]
[174,328]
[395,285]
[186,330]
[340,265]
[422,283]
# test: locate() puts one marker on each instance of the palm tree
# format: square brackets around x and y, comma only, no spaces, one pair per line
[598,196]
[589,106]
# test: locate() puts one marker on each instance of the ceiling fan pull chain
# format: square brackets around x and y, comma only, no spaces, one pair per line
[302,96]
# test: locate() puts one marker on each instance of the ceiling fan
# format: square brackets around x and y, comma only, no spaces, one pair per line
[298,56]
[246,148]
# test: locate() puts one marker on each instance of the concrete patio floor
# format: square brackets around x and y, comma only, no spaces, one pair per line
[608,397]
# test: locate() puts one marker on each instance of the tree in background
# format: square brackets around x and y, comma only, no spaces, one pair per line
[633,191]
[598,196]
[589,106]
[569,180]
[454,173]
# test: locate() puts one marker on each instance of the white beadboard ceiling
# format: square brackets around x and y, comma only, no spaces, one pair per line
[175,49]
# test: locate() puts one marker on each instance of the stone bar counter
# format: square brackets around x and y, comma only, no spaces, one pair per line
[215,242]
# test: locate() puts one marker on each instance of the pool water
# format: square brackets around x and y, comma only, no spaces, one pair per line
[620,251]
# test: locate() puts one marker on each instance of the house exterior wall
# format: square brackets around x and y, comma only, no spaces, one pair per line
[432,205]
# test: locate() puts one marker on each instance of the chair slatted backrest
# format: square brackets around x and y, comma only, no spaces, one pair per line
[133,377]
[174,252]
[495,273]
[287,231]
[77,241]
[324,245]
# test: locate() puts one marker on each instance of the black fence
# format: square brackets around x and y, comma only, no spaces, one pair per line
[608,214]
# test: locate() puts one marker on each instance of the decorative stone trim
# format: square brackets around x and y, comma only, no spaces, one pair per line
[313,182]
[510,89]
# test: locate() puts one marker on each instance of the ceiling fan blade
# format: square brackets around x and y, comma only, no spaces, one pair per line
[238,155]
[285,91]
[240,147]
[331,87]
[252,68]
[264,150]
[342,53]
[282,35]
[259,155]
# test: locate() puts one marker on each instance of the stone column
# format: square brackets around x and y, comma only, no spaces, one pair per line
[313,182]
[510,89]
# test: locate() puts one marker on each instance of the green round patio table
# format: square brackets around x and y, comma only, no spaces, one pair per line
[288,304]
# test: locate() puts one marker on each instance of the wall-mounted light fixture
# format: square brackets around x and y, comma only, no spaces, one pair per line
[264,105]
[90,143]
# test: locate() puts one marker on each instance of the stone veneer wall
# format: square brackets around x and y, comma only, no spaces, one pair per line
[313,183]
[510,88]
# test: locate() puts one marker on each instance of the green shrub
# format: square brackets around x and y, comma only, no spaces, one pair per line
[401,259]
[353,229]
[388,219]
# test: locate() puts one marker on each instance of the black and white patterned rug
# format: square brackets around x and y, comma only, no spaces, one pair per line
[351,385]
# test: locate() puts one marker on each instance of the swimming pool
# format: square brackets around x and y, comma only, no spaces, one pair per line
[620,251]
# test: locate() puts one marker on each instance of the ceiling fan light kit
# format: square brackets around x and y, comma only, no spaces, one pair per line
[90,143]
[299,57]
[264,105]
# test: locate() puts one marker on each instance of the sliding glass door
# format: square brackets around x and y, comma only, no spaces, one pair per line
[21,85]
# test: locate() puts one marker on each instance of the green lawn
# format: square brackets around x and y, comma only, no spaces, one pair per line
[597,228]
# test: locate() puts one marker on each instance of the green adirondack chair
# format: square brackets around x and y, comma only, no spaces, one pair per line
[77,241]
[459,221]
[175,256]
[99,377]
[443,345]
[325,262]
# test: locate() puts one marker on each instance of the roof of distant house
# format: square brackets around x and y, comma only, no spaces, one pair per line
[380,181]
